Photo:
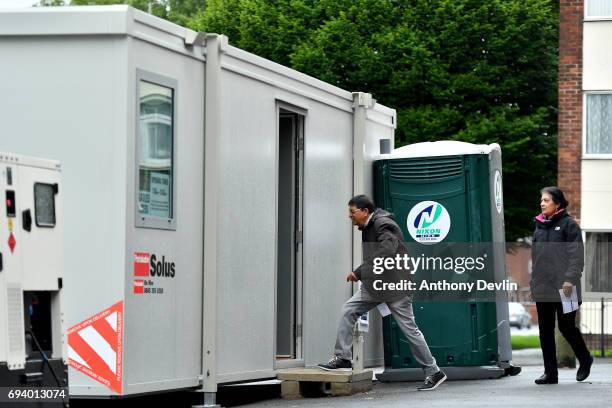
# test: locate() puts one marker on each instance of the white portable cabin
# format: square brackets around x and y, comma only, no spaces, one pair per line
[31,273]
[206,194]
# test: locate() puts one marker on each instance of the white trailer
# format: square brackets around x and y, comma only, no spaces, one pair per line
[206,194]
[32,346]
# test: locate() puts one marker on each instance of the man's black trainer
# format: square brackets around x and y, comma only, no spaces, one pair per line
[432,381]
[337,364]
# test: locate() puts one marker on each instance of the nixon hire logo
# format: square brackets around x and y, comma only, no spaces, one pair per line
[428,222]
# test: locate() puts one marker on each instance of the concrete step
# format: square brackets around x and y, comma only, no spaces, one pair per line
[315,382]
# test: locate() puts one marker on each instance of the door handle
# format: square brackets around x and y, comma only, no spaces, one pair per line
[26,220]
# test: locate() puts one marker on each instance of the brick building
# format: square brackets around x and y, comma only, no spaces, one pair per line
[585,131]
[585,149]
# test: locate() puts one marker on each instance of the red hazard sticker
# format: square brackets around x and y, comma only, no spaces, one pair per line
[141,263]
[12,242]
[95,347]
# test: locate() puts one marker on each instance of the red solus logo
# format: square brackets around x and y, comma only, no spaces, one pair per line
[147,264]
[141,263]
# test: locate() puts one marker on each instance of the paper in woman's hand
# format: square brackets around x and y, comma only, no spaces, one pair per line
[570,303]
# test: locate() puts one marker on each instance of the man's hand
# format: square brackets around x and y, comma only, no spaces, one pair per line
[567,288]
[351,277]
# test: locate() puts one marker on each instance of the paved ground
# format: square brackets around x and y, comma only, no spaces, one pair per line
[519,391]
[527,357]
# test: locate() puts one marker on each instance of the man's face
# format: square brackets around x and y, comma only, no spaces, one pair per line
[358,215]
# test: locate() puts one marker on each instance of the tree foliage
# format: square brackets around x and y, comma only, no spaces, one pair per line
[470,70]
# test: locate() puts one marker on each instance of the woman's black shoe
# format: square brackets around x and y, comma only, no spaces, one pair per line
[547,379]
[584,370]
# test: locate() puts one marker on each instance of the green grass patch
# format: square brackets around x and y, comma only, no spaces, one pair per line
[597,353]
[525,342]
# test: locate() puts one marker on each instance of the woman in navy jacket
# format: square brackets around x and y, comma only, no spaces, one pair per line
[557,262]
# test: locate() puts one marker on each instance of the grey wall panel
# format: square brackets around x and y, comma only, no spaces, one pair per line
[287,79]
[65,99]
[327,230]
[375,131]
[247,227]
[170,323]
[247,200]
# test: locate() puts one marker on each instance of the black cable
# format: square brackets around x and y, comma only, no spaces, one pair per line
[46,360]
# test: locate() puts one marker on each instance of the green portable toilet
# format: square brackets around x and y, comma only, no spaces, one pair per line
[447,197]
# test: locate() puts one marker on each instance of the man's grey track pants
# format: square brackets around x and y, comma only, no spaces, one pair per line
[401,310]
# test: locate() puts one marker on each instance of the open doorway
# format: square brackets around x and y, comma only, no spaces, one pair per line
[289,236]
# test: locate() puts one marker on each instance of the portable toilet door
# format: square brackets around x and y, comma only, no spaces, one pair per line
[456,187]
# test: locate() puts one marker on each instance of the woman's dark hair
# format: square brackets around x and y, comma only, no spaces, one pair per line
[362,201]
[557,196]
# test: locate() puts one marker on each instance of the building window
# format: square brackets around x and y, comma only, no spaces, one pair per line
[155,151]
[598,124]
[598,8]
[598,262]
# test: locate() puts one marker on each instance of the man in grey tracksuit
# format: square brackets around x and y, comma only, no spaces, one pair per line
[381,237]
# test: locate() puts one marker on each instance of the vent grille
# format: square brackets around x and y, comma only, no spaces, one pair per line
[15,318]
[424,169]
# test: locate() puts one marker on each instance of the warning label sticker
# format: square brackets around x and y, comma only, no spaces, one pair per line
[95,347]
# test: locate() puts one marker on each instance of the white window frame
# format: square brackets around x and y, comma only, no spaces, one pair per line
[148,221]
[585,155]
